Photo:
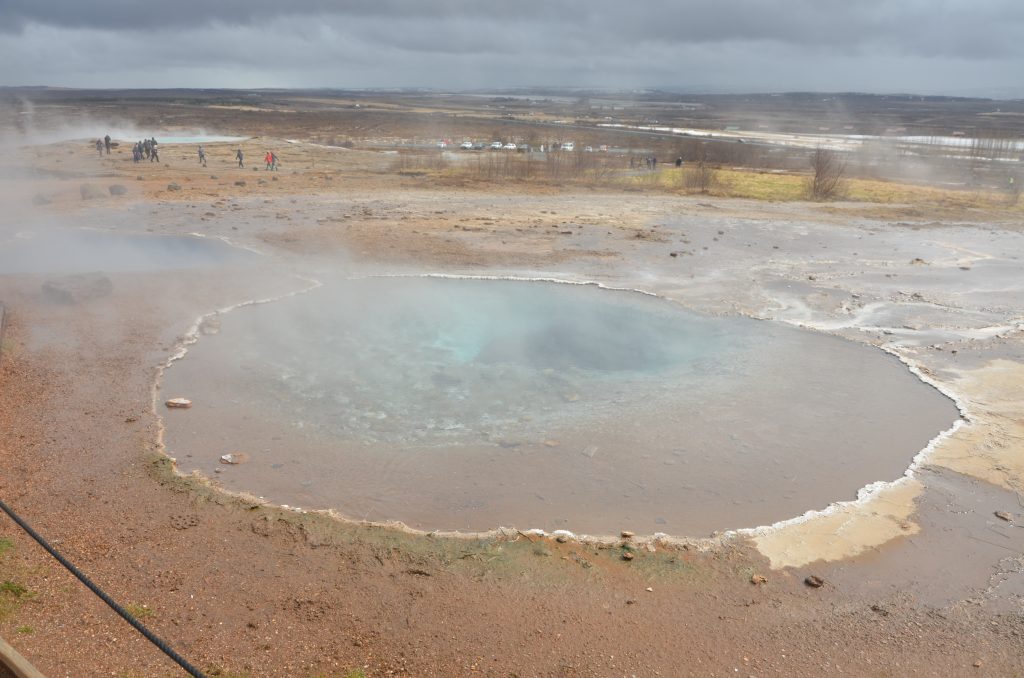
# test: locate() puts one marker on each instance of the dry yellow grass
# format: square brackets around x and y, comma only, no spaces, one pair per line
[779,186]
[764,185]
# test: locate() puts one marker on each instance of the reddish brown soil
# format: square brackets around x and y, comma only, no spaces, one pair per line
[250,590]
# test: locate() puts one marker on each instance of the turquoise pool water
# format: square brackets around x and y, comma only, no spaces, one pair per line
[468,404]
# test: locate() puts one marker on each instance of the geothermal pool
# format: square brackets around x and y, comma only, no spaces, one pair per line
[471,404]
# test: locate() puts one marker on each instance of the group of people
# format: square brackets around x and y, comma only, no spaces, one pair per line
[270,158]
[649,161]
[103,143]
[147,149]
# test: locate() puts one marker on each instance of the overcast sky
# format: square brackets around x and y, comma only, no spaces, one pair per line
[920,46]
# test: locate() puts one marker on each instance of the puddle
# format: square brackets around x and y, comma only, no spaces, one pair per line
[82,251]
[467,404]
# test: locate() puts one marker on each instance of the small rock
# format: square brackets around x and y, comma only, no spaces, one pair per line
[90,191]
[758,579]
[812,277]
[210,325]
[173,187]
[179,403]
[918,261]
[117,189]
[814,581]
[214,176]
[234,458]
[240,182]
[1004,515]
[273,178]
[977,664]
[649,589]
[140,178]
[626,534]
[261,182]
[627,555]
[561,539]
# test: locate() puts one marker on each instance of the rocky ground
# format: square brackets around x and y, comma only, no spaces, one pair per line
[924,578]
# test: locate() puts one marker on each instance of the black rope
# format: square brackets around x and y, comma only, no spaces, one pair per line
[3,327]
[191,670]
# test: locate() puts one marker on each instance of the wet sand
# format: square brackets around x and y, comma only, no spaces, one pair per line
[924,579]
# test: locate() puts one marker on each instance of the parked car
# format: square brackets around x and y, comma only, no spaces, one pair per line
[588,149]
[509,146]
[496,145]
[466,145]
[568,146]
[479,146]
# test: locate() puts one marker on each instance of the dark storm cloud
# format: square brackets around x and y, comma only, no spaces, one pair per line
[969,28]
[734,43]
[115,14]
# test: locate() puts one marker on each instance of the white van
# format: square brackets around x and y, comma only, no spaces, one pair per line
[568,146]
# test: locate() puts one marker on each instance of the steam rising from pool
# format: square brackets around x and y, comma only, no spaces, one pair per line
[460,404]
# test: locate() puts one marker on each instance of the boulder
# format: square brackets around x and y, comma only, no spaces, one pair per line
[91,191]
[173,187]
[117,189]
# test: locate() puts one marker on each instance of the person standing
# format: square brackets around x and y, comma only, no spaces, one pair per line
[273,161]
[202,156]
[99,147]
[106,143]
[241,158]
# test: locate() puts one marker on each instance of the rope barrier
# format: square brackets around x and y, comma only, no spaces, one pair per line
[124,614]
[3,326]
